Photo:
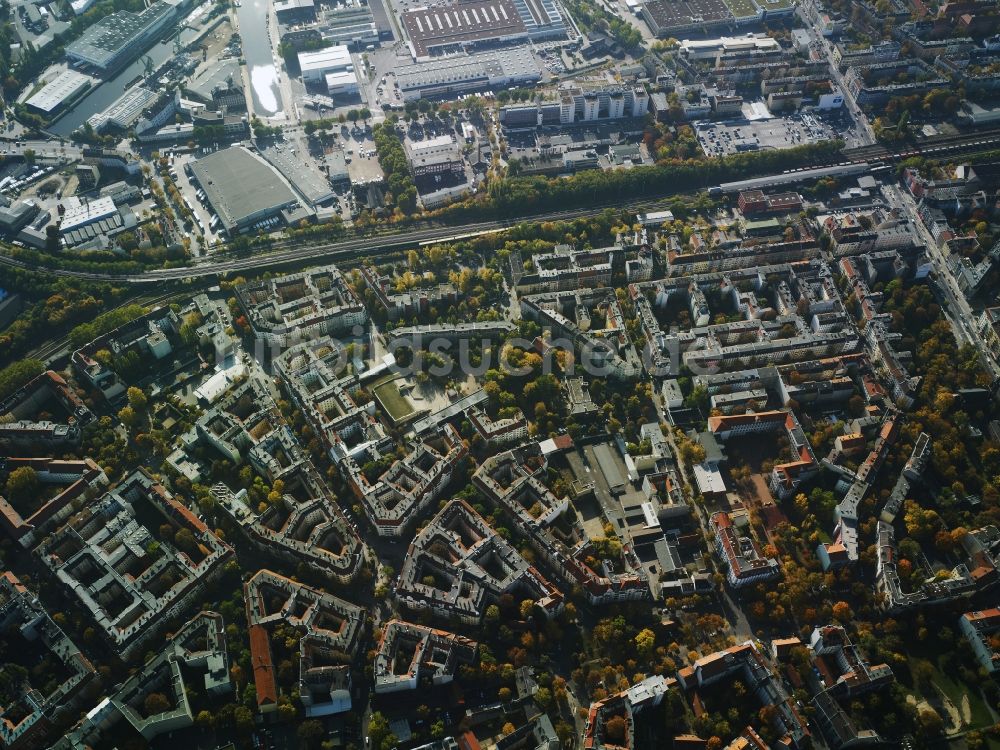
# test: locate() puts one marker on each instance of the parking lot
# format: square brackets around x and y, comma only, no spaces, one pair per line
[730,137]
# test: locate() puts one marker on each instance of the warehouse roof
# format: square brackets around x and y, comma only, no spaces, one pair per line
[64,86]
[240,185]
[331,58]
[106,38]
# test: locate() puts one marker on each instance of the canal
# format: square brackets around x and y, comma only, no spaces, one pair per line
[259,55]
[104,95]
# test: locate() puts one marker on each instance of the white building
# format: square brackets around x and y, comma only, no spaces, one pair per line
[316,66]
[78,213]
[62,89]
[342,83]
[711,48]
[434,155]
[833,100]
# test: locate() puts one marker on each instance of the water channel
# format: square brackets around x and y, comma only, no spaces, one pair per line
[259,55]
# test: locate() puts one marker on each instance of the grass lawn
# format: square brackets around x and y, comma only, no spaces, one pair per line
[953,686]
[395,403]
[741,8]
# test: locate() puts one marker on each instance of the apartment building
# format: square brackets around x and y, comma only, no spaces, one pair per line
[608,351]
[917,78]
[196,650]
[786,476]
[245,424]
[854,233]
[978,628]
[912,472]
[747,660]
[313,374]
[409,655]
[147,336]
[458,564]
[854,674]
[32,720]
[843,550]
[837,727]
[512,480]
[498,433]
[79,481]
[112,559]
[313,530]
[844,57]
[397,305]
[395,501]
[743,559]
[937,590]
[334,631]
[647,692]
[22,424]
[566,269]
[422,336]
[314,303]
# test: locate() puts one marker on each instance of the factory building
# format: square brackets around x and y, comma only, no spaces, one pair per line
[465,74]
[118,39]
[331,67]
[55,95]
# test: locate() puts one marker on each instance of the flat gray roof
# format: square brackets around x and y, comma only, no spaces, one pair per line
[301,173]
[609,467]
[105,39]
[217,75]
[241,186]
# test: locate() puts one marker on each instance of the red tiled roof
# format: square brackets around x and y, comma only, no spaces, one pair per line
[263,666]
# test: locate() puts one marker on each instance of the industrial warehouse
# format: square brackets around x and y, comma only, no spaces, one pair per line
[118,39]
[245,191]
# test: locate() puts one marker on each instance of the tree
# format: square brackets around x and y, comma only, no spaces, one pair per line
[378,732]
[842,611]
[504,694]
[544,698]
[645,642]
[243,719]
[128,416]
[185,540]
[22,482]
[508,729]
[930,722]
[614,729]
[137,399]
[310,733]
[156,703]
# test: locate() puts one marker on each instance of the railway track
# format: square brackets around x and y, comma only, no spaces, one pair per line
[932,146]
[54,349]
[285,253]
[291,252]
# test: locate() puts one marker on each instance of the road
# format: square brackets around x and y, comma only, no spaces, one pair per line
[44,150]
[863,133]
[729,608]
[959,312]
